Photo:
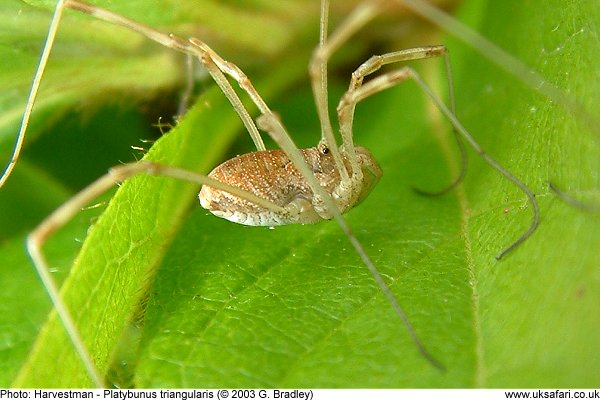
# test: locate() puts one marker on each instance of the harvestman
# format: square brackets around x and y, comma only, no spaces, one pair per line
[319,183]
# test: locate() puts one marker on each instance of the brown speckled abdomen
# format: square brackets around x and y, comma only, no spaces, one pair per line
[270,175]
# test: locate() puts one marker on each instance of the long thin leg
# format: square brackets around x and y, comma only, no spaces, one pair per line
[567,198]
[459,143]
[362,14]
[56,220]
[374,64]
[504,60]
[385,81]
[35,86]
[179,44]
[119,20]
[188,89]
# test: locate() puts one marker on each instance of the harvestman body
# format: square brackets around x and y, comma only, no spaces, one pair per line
[270,174]
[270,187]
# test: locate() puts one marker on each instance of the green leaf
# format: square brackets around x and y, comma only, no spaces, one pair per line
[216,304]
[538,307]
